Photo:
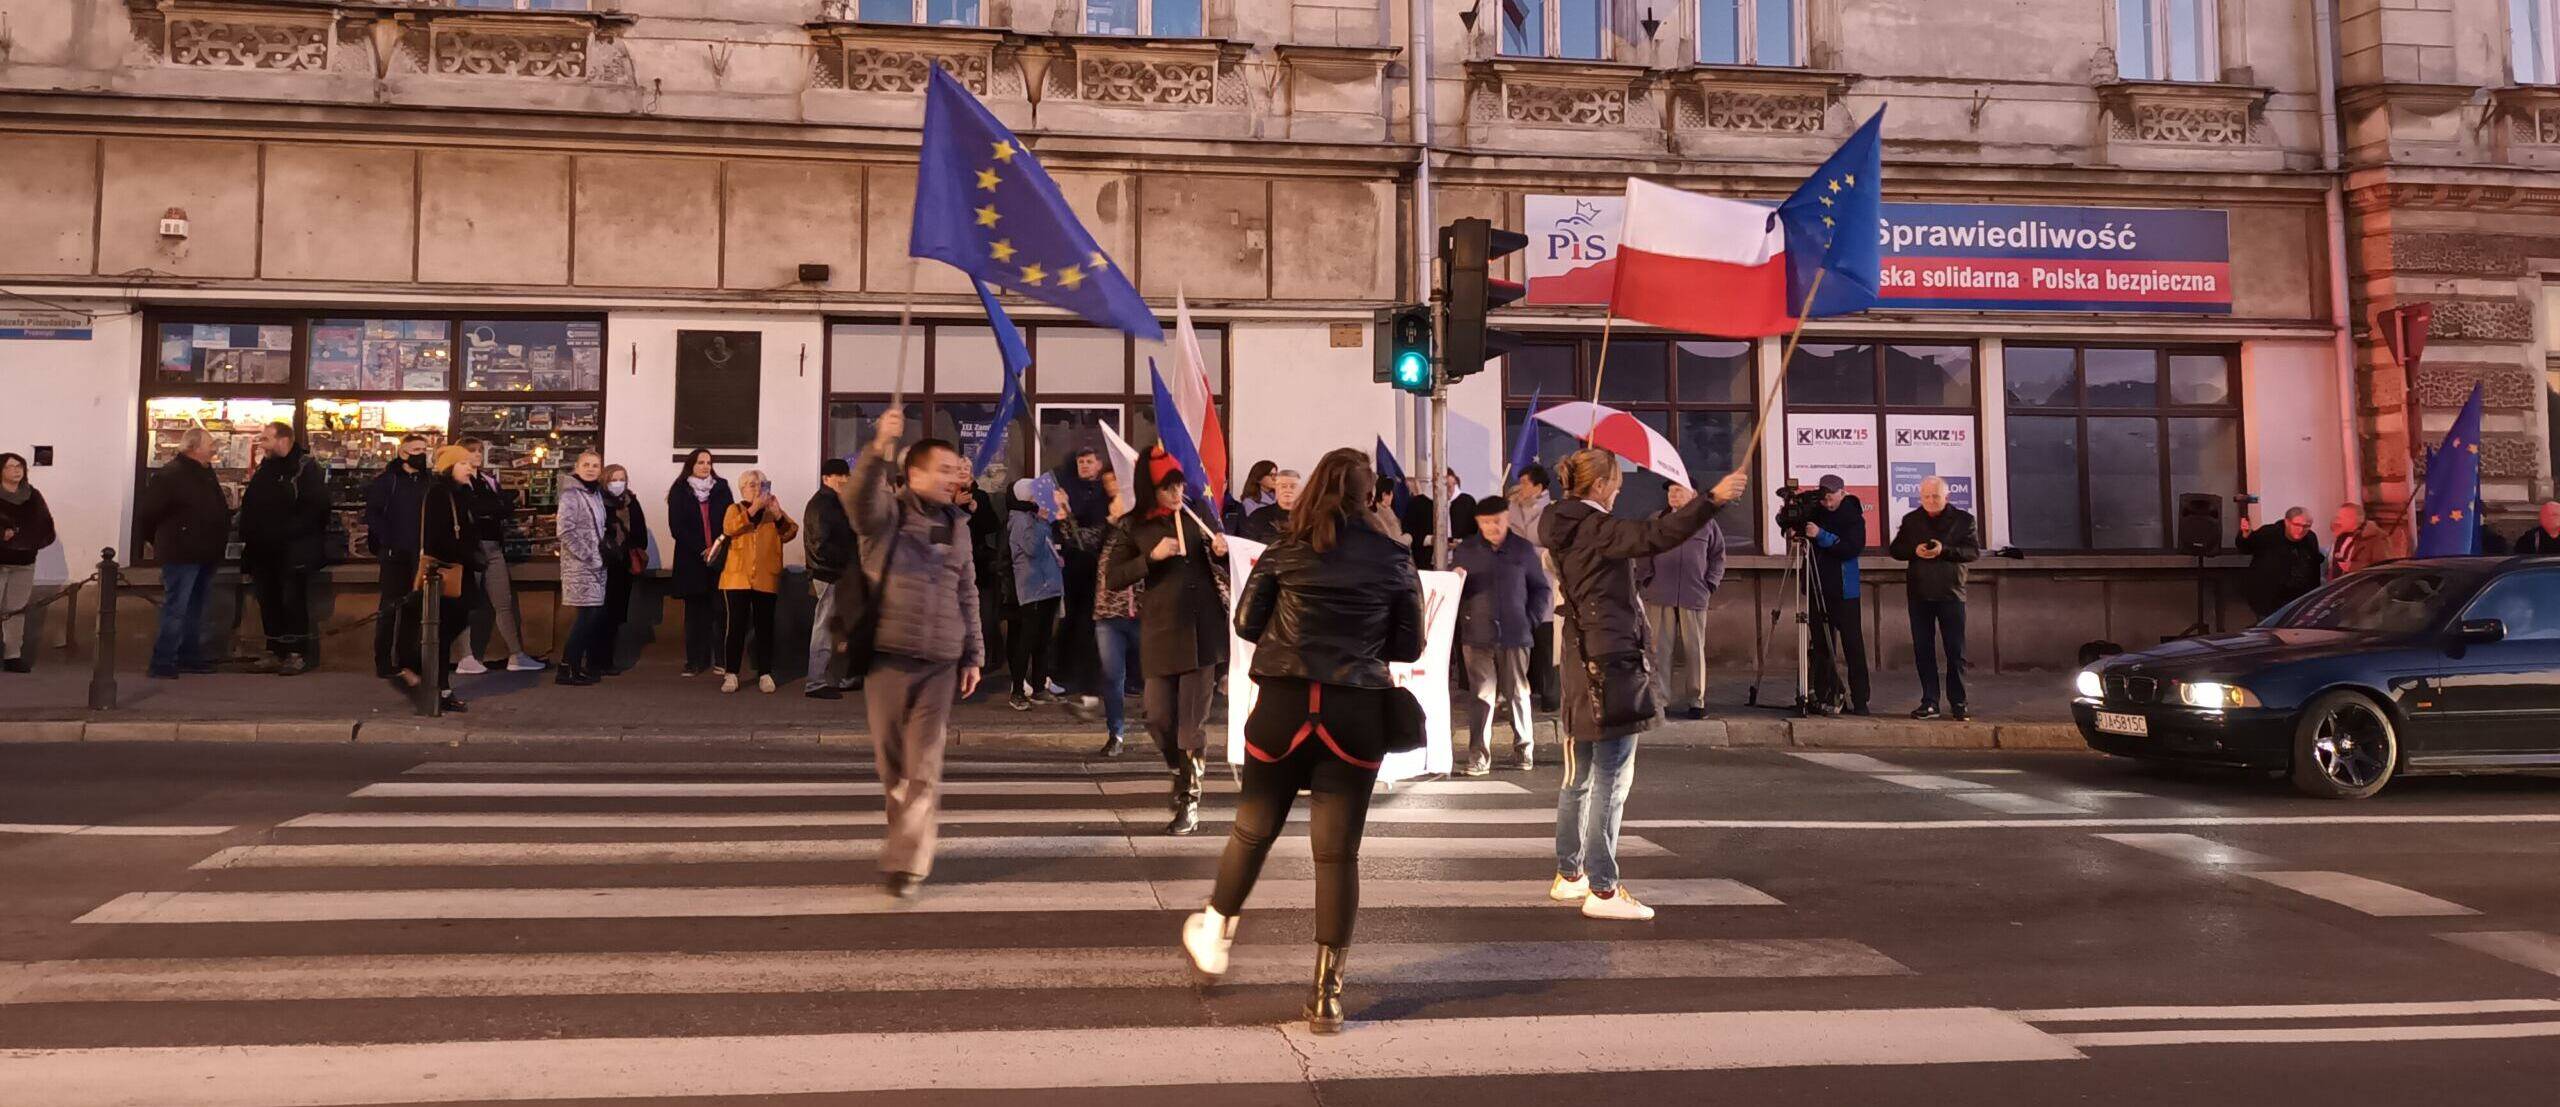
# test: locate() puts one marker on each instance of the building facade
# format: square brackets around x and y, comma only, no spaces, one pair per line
[2125,265]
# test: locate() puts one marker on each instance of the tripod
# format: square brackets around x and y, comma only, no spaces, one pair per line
[1802,593]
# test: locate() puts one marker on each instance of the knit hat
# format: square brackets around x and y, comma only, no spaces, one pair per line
[448,456]
[1161,466]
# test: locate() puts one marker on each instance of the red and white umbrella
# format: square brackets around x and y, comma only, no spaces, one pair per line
[1619,433]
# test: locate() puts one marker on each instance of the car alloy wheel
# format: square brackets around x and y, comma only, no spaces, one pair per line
[2346,747]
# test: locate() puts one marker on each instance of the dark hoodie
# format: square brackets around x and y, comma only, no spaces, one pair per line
[391,505]
[284,511]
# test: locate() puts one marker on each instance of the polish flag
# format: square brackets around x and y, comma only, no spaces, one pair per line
[1191,396]
[1701,264]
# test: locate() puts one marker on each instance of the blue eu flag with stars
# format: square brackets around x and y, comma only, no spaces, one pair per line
[1832,229]
[2451,525]
[984,205]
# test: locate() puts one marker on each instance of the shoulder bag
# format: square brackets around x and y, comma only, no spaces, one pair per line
[855,620]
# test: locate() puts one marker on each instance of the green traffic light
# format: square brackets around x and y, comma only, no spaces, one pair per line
[1412,368]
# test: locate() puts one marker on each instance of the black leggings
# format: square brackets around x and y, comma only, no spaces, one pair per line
[748,610]
[1338,813]
[1028,640]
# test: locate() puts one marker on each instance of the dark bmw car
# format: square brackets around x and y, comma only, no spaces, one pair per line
[2447,665]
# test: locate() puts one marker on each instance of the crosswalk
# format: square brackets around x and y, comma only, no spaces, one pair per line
[644,887]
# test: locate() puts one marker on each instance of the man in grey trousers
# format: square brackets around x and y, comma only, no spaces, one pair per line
[1676,588]
[928,650]
[826,543]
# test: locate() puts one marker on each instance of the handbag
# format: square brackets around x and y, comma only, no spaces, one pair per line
[1621,684]
[1405,725]
[855,620]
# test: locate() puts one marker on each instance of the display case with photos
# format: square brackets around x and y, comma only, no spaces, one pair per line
[236,426]
[531,447]
[532,355]
[223,353]
[381,355]
[355,440]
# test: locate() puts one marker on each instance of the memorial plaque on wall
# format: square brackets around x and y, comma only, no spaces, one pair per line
[718,378]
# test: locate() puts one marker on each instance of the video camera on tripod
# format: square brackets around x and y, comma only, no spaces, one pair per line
[1798,506]
[1798,595]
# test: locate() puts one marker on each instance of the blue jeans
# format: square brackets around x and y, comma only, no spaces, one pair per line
[184,591]
[1117,640]
[1597,777]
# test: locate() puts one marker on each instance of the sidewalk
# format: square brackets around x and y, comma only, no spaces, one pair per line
[652,703]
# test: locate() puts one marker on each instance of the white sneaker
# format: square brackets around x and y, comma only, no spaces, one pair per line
[764,684]
[1567,891]
[525,663]
[1621,906]
[1207,936]
[469,666]
[729,682]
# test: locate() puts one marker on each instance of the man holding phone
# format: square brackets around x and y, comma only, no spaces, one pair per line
[1936,539]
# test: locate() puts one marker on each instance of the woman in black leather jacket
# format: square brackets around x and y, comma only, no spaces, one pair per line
[1328,607]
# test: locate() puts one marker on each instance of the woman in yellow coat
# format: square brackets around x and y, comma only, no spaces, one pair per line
[755,529]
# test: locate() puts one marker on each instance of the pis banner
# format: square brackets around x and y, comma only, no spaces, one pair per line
[1954,257]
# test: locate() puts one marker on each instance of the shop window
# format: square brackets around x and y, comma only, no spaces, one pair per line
[940,13]
[2168,40]
[2103,439]
[1697,392]
[1149,18]
[352,386]
[224,353]
[1884,417]
[1750,32]
[2533,40]
[382,355]
[1555,29]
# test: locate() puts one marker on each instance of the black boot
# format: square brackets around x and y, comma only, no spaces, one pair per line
[1324,1007]
[1187,783]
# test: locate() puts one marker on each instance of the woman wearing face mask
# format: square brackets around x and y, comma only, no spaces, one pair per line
[696,504]
[757,529]
[26,526]
[445,536]
[626,556]
[581,526]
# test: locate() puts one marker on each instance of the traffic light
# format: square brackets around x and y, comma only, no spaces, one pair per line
[1467,250]
[1404,347]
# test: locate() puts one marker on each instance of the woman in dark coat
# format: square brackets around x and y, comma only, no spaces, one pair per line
[626,556]
[696,504]
[446,534]
[1605,633]
[1328,607]
[1182,627]
[1079,663]
[26,527]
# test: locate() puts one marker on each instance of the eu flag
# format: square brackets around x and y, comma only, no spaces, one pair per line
[1388,470]
[1016,359]
[1832,225]
[2451,525]
[1176,438]
[984,205]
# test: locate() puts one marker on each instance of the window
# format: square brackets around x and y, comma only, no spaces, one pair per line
[1555,29]
[1750,32]
[353,385]
[1698,392]
[2528,603]
[1884,417]
[2168,40]
[940,13]
[2533,39]
[1149,18]
[955,383]
[2103,439]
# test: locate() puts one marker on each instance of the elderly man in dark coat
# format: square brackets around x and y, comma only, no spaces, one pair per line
[1506,594]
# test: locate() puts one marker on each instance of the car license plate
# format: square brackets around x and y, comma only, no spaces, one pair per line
[2114,723]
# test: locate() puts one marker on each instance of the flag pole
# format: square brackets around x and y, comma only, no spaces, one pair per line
[1760,425]
[1600,374]
[906,328]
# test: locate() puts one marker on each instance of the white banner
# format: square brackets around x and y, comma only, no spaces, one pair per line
[1427,677]
[1917,447]
[1823,443]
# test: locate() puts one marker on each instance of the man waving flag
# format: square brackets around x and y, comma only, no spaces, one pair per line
[984,205]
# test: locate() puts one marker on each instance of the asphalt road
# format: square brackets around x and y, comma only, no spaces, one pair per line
[230,925]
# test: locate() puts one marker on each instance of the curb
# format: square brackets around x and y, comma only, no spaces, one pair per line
[1742,732]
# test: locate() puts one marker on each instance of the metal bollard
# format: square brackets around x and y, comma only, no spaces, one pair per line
[102,672]
[431,630]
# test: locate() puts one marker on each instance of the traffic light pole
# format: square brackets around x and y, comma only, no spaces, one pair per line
[1439,484]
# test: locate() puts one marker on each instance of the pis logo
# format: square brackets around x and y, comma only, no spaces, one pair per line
[1578,236]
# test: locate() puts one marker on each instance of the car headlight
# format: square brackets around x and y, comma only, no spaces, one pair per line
[2088,685]
[2214,696]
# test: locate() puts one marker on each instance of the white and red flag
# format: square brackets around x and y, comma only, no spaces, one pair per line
[1701,264]
[1189,386]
